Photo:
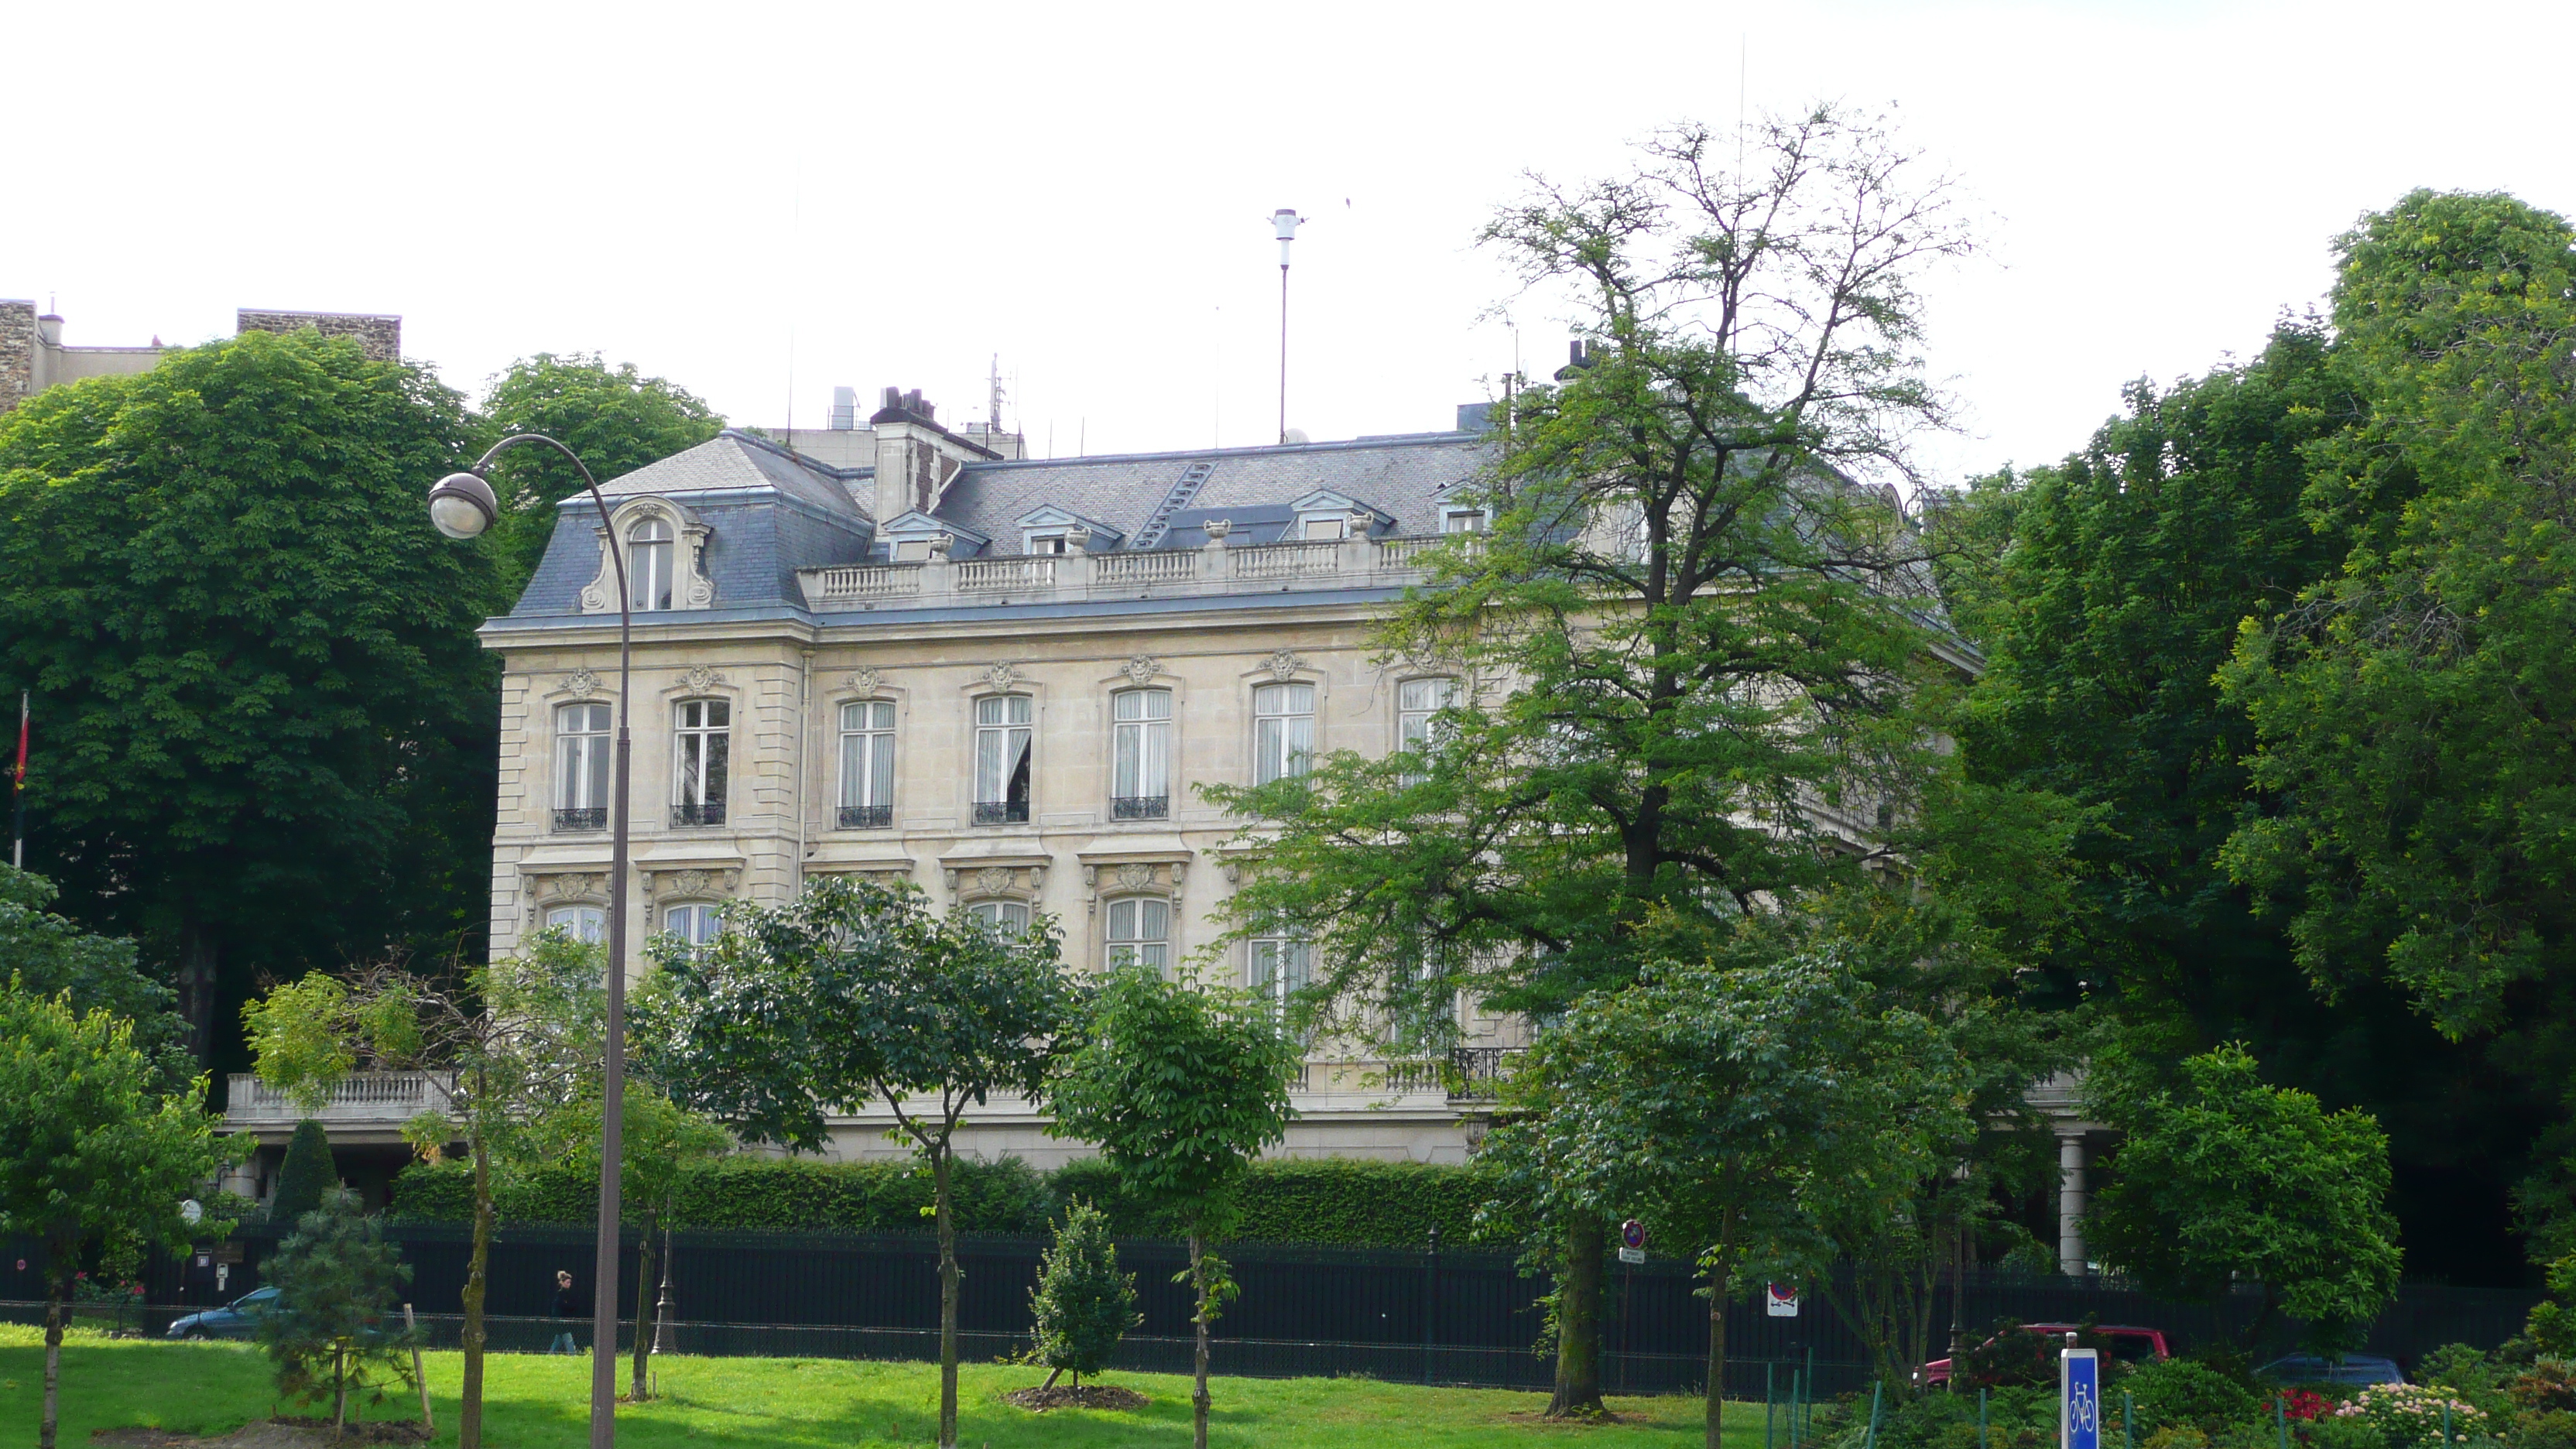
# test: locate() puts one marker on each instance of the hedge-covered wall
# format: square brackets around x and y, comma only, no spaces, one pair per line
[1354,1204]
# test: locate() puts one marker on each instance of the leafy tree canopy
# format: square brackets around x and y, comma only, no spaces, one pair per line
[264,736]
[2220,1178]
[49,954]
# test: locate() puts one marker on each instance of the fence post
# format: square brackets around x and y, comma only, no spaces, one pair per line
[2281,1420]
[2128,1429]
[1981,1416]
[1770,1385]
[1430,1296]
[1876,1388]
[1807,1429]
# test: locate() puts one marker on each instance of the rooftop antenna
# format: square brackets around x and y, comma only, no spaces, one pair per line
[993,414]
[1284,221]
[1743,67]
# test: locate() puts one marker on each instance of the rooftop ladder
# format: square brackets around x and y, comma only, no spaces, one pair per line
[1187,488]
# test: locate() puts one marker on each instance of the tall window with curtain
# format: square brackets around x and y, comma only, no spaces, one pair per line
[583,923]
[648,564]
[867,764]
[1142,722]
[1002,744]
[581,767]
[1008,917]
[702,739]
[1283,731]
[1140,933]
[1281,966]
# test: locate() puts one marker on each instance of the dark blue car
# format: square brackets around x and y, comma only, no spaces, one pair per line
[237,1319]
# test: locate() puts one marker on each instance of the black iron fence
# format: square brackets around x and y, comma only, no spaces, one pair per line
[1439,1316]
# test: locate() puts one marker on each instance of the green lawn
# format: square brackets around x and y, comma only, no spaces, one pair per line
[536,1402]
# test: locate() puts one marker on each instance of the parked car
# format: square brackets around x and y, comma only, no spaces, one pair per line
[2128,1345]
[237,1319]
[2307,1368]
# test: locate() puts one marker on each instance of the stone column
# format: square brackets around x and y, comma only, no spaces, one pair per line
[2070,1204]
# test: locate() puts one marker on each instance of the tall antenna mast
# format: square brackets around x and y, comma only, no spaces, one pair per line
[993,412]
[1284,221]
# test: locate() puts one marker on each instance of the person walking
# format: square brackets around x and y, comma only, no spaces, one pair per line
[565,1307]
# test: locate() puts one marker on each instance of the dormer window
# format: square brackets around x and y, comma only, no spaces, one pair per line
[1322,529]
[911,550]
[648,564]
[1050,543]
[1462,520]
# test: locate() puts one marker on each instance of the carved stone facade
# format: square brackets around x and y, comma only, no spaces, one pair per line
[1018,807]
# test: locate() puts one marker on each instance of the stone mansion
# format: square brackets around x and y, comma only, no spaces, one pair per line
[1000,679]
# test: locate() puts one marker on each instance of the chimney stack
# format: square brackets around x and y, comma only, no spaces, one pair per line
[845,409]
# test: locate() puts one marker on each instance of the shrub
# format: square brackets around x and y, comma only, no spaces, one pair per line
[2180,1392]
[2412,1414]
[2178,1436]
[1082,1305]
[336,1279]
[307,1177]
[2549,1384]
[2546,1429]
[2013,1355]
[2469,1374]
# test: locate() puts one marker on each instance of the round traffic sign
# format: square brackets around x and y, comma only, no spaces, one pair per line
[1632,1233]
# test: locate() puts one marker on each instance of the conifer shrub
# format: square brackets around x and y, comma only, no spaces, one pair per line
[307,1178]
[1082,1305]
[332,1335]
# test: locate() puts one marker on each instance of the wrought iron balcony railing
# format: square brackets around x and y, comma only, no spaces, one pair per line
[1476,1073]
[1140,807]
[1001,812]
[582,817]
[706,812]
[867,817]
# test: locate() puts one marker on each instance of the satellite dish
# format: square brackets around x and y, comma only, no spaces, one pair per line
[1295,435]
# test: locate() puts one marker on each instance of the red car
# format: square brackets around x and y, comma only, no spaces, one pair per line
[2128,1345]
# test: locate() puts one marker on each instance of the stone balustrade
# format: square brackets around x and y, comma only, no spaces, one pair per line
[362,1099]
[1352,563]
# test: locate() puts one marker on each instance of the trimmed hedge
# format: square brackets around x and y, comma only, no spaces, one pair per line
[1343,1203]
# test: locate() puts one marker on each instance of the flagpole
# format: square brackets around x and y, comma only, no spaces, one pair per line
[18,794]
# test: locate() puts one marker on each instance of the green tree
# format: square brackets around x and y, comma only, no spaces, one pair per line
[94,1154]
[658,1142]
[499,1045]
[1180,1084]
[1694,652]
[617,419]
[337,1280]
[264,732]
[2108,590]
[307,1178]
[1082,1305]
[1736,1110]
[2220,1178]
[47,954]
[856,989]
[2408,704]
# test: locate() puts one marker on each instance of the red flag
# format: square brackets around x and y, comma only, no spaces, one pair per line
[22,740]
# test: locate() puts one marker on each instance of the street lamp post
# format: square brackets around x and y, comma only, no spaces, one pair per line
[463,505]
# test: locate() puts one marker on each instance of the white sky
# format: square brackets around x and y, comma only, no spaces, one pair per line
[761,201]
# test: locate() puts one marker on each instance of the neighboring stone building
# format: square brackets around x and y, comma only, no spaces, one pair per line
[33,356]
[998,679]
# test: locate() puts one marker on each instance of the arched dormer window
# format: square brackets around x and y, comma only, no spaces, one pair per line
[648,564]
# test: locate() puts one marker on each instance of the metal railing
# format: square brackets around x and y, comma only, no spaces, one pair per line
[1018,578]
[1001,812]
[867,817]
[1140,807]
[1476,1073]
[581,817]
[705,812]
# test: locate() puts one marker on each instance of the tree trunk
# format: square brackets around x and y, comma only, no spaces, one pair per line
[1578,1325]
[469,1412]
[643,1314]
[947,1300]
[55,1311]
[1720,1281]
[339,1391]
[1199,1323]
[198,959]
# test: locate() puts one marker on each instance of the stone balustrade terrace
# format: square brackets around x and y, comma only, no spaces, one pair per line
[1352,563]
[362,1099]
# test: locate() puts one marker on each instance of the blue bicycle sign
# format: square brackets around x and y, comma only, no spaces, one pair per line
[2079,1406]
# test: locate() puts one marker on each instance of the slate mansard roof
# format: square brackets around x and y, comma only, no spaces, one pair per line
[770,511]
